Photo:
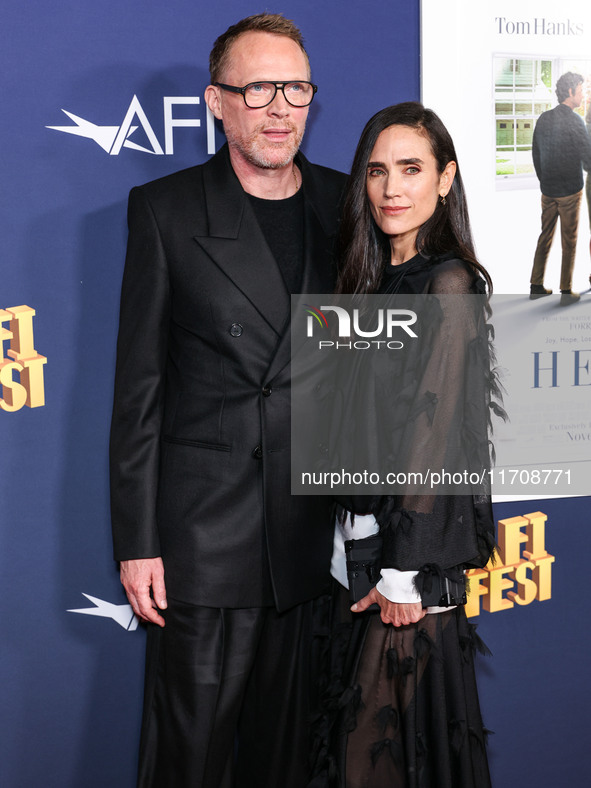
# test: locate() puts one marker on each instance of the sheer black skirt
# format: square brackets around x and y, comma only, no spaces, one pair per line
[400,706]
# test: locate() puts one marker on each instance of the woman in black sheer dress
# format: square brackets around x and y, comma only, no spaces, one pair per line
[400,703]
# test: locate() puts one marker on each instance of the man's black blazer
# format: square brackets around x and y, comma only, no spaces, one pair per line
[200,437]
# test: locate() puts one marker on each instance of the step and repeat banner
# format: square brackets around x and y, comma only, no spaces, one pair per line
[99,97]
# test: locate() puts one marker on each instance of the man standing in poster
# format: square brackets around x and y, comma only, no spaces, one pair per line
[561,148]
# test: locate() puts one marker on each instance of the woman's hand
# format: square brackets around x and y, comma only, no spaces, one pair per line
[398,614]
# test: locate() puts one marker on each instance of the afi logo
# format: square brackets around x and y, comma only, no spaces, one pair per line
[113,138]
[22,361]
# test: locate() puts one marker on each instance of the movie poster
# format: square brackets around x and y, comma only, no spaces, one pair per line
[490,70]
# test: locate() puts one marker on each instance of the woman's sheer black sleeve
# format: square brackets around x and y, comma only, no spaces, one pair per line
[445,433]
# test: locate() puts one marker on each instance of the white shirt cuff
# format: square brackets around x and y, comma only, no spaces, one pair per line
[398,586]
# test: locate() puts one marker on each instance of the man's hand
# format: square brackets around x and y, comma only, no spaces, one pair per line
[138,577]
[394,613]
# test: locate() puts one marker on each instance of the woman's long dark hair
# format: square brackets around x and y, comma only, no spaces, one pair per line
[363,249]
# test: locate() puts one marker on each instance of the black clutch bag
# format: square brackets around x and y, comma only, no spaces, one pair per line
[363,565]
[441,587]
[437,587]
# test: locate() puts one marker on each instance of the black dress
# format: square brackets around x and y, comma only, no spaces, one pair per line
[400,705]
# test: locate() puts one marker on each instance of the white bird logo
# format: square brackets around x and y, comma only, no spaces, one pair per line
[102,135]
[122,614]
[112,138]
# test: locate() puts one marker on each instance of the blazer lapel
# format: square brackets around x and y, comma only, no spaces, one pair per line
[234,241]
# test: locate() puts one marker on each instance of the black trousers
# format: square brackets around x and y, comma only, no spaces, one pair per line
[227,698]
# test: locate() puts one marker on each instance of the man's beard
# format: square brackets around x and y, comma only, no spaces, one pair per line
[266,154]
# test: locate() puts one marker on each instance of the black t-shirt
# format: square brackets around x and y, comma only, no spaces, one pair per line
[282,223]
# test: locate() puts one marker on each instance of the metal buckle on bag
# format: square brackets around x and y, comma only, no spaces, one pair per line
[448,599]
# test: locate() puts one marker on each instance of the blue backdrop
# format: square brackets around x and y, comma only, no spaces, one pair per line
[71,683]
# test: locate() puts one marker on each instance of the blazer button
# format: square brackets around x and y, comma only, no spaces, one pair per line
[257,453]
[267,391]
[236,329]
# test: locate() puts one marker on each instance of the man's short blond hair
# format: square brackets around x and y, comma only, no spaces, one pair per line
[276,24]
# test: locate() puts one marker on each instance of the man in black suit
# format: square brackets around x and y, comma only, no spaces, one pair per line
[214,552]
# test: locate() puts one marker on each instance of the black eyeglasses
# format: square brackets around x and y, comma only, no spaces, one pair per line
[261,94]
